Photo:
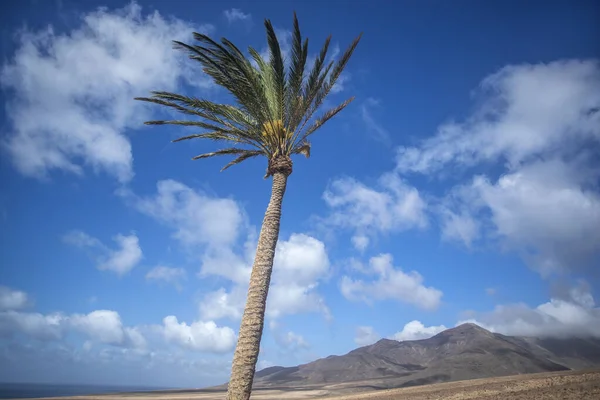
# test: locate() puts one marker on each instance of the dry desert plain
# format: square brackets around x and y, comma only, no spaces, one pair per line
[571,385]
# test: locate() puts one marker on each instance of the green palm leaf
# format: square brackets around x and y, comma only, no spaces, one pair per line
[274,107]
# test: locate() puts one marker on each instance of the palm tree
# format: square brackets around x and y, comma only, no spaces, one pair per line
[273,118]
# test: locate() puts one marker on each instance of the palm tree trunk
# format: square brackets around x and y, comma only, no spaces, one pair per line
[251,328]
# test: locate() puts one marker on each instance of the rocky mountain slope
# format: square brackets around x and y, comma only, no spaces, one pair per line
[464,352]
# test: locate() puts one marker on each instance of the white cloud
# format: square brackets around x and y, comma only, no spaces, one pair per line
[126,257]
[415,330]
[208,225]
[212,227]
[377,131]
[200,335]
[291,341]
[223,304]
[574,314]
[515,211]
[520,206]
[365,335]
[169,275]
[235,14]
[300,263]
[458,226]
[34,325]
[102,326]
[198,218]
[107,340]
[226,263]
[390,283]
[72,94]
[543,123]
[81,239]
[527,110]
[365,210]
[11,299]
[105,326]
[121,260]
[360,242]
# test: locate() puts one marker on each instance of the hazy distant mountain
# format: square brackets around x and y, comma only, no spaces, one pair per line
[465,352]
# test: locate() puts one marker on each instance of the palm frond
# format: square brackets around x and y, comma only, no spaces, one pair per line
[296,77]
[267,79]
[216,136]
[274,106]
[225,118]
[307,110]
[222,152]
[278,71]
[324,118]
[336,72]
[242,157]
[229,69]
[302,148]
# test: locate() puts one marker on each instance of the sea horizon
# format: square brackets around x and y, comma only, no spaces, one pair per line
[25,390]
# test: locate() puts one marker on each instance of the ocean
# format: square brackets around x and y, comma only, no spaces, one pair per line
[30,390]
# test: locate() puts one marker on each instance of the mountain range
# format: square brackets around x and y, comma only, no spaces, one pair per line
[464,352]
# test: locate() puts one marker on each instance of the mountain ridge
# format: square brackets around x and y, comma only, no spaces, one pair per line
[467,351]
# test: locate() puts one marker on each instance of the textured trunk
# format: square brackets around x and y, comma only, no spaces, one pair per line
[248,345]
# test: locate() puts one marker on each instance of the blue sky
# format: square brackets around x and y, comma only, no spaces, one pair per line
[460,185]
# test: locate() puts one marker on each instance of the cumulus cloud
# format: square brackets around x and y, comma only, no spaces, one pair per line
[235,15]
[168,275]
[126,257]
[208,225]
[394,207]
[526,111]
[301,262]
[35,325]
[542,122]
[105,326]
[121,260]
[102,326]
[11,299]
[547,211]
[71,94]
[197,217]
[415,330]
[570,314]
[365,335]
[200,335]
[390,283]
[544,212]
[224,304]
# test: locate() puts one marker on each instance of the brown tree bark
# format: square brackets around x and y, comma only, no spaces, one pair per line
[251,328]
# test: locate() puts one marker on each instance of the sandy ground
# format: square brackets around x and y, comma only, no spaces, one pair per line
[551,386]
[580,385]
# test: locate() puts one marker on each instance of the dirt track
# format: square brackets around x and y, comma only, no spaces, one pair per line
[582,385]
